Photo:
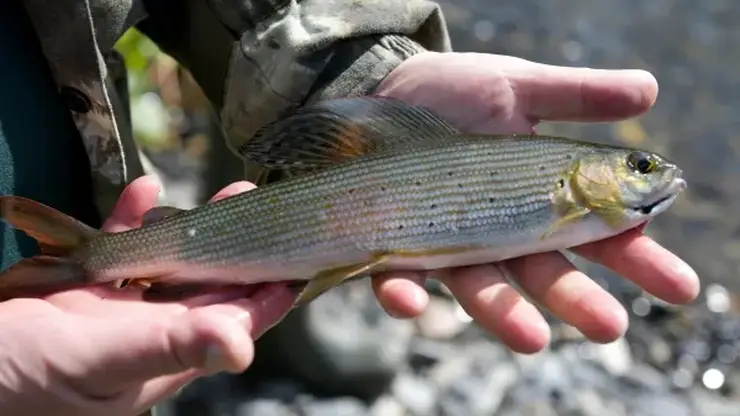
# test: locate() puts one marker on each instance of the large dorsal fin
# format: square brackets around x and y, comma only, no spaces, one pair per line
[334,131]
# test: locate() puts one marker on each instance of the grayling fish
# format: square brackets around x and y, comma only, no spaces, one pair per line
[379,185]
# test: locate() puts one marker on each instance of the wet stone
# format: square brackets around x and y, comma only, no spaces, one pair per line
[417,395]
[343,406]
[263,407]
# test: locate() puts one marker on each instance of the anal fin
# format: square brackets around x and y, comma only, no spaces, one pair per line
[334,277]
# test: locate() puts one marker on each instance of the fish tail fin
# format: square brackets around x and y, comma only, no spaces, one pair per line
[57,235]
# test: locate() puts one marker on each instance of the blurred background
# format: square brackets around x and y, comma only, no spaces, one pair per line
[343,356]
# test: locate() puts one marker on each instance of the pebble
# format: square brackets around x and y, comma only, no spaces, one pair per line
[387,405]
[415,394]
[263,407]
[344,406]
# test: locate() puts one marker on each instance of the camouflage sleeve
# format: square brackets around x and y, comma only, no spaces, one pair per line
[257,58]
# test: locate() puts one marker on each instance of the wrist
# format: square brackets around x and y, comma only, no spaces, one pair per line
[360,65]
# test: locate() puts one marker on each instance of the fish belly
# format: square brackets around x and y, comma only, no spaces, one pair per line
[590,229]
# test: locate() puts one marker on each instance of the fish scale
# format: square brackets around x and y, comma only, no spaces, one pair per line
[375,184]
[292,220]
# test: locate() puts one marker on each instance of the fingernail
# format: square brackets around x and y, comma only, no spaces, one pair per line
[216,359]
[244,317]
[689,281]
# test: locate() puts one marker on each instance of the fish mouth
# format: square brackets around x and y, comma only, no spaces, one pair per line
[664,199]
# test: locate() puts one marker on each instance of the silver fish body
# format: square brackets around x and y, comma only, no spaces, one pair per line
[451,204]
[381,186]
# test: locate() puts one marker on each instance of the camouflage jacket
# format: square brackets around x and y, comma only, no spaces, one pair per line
[253,58]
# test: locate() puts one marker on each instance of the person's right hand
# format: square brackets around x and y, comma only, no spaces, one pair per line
[97,352]
[497,94]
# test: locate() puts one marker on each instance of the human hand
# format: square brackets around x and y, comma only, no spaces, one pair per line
[97,351]
[484,93]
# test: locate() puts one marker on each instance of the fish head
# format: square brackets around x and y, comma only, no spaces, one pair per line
[626,185]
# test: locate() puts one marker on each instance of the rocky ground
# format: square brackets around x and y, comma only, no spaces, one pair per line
[682,361]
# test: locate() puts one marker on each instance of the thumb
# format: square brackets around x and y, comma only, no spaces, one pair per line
[218,337]
[127,352]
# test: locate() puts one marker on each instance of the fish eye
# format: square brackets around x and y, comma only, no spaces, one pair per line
[641,162]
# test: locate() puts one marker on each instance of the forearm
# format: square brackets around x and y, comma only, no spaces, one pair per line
[257,58]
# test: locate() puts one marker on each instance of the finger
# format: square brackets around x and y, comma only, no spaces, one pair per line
[156,347]
[556,93]
[136,199]
[104,301]
[486,296]
[646,263]
[209,338]
[552,281]
[261,311]
[401,294]
[156,390]
[137,401]
[232,189]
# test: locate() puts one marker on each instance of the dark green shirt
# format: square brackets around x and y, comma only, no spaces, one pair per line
[41,153]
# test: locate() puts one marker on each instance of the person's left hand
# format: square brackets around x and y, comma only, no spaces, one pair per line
[100,351]
[485,93]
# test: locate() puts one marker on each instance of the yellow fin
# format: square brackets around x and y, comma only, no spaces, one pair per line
[614,218]
[334,277]
[333,131]
[572,214]
[157,214]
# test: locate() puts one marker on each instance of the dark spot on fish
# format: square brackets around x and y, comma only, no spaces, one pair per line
[459,185]
[568,157]
[431,224]
[450,173]
[400,227]
[542,168]
[352,190]
[491,200]
[434,206]
[418,183]
[494,173]
[561,183]
[383,188]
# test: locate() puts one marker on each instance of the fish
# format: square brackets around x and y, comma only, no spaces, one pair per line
[372,185]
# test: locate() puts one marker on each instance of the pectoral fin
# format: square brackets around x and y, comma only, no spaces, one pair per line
[573,214]
[334,277]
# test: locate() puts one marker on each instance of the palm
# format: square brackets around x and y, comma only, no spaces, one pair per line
[498,94]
